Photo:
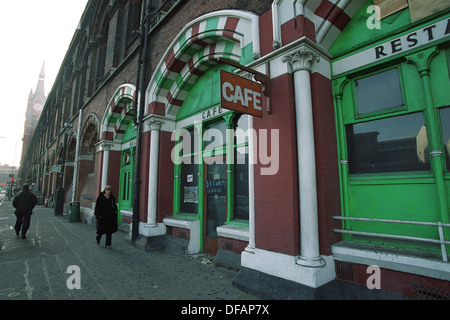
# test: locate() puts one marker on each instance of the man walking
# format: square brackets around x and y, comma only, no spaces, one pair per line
[24,203]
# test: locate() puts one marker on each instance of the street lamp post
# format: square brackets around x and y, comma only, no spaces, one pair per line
[60,193]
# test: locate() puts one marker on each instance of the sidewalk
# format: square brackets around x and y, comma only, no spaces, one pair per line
[36,268]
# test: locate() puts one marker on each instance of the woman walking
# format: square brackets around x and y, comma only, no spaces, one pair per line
[106,214]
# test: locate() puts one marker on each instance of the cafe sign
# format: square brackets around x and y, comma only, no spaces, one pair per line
[240,94]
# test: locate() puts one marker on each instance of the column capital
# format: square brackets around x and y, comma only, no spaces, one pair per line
[106,145]
[422,60]
[154,124]
[301,59]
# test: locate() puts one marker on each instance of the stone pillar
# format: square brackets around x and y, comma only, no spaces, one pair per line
[105,167]
[155,127]
[301,62]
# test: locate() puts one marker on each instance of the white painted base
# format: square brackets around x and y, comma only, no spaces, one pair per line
[152,231]
[421,263]
[286,267]
[233,232]
[194,228]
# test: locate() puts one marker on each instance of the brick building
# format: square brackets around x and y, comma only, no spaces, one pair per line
[345,166]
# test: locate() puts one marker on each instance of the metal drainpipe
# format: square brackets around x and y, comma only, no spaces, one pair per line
[145,28]
[77,151]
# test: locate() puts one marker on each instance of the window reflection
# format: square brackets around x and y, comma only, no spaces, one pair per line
[215,136]
[241,200]
[241,132]
[389,145]
[378,92]
[241,196]
[445,124]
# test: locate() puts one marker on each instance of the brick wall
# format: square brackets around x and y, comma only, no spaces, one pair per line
[165,34]
[277,204]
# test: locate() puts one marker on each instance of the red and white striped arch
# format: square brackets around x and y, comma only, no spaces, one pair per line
[119,113]
[329,17]
[231,34]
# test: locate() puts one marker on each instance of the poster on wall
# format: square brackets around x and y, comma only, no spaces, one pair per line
[190,194]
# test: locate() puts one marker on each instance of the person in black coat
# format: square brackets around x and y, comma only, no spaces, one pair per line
[106,214]
[24,202]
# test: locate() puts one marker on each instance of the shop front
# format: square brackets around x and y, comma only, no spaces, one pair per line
[392,113]
[211,164]
[208,146]
[118,146]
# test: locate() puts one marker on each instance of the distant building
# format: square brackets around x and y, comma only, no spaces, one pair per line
[7,173]
[35,105]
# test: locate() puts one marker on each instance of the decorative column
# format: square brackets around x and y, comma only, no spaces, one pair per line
[422,60]
[155,127]
[301,62]
[105,167]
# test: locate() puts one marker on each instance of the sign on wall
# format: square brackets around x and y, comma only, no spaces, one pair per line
[56,168]
[240,94]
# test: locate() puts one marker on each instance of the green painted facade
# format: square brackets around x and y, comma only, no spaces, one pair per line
[419,191]
[203,99]
[127,160]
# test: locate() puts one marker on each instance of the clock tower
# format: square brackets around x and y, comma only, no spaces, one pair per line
[36,102]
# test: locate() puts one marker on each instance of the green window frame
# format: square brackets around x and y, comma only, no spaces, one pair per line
[189,188]
[367,86]
[416,193]
[354,119]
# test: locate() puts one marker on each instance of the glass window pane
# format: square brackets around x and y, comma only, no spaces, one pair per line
[378,92]
[187,142]
[445,123]
[388,145]
[127,184]
[124,196]
[241,201]
[215,136]
[241,129]
[216,195]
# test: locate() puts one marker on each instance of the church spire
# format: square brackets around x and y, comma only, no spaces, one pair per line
[40,90]
[42,74]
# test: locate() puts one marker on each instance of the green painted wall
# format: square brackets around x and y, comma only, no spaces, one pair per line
[356,34]
[205,93]
[408,196]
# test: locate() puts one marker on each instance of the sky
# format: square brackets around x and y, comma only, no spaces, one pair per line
[31,32]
